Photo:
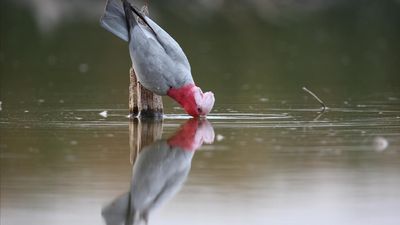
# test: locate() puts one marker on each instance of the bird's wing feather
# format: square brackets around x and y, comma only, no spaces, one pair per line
[116,20]
[170,46]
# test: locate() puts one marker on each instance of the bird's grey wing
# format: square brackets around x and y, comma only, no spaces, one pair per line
[114,20]
[157,70]
[172,48]
[182,70]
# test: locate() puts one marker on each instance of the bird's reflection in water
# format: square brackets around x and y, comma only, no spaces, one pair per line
[159,171]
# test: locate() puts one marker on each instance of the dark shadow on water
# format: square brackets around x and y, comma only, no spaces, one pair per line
[159,168]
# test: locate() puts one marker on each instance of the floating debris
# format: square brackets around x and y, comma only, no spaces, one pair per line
[104,114]
[316,98]
[380,144]
[220,137]
[26,111]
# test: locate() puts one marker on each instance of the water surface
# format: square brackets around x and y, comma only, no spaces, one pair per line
[278,164]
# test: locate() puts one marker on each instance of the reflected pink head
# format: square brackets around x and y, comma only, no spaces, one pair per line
[193,134]
[193,100]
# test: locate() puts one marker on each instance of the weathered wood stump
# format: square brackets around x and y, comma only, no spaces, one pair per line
[142,102]
[143,132]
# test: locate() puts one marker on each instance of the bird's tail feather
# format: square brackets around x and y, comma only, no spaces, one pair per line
[118,19]
[114,19]
[129,8]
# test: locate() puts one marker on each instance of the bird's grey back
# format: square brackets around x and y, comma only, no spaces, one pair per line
[157,58]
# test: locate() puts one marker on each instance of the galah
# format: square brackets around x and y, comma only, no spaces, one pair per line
[159,173]
[160,64]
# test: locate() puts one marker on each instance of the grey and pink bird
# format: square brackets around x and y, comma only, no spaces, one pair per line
[160,64]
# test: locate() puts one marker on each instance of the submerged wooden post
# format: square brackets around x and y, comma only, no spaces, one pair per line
[133,103]
[142,102]
[143,132]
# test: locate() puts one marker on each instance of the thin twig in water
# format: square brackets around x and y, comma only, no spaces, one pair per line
[316,98]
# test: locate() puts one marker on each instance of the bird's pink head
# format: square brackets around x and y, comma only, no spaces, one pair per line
[193,100]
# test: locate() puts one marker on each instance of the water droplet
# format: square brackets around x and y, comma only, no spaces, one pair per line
[220,137]
[380,144]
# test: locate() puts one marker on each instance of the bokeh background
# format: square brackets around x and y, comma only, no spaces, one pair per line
[238,49]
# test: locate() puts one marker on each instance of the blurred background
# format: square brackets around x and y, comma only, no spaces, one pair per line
[237,49]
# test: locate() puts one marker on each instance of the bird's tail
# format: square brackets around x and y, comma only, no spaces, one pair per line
[114,19]
[119,19]
[140,16]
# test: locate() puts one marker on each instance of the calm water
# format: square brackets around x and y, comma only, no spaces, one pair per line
[275,158]
[271,162]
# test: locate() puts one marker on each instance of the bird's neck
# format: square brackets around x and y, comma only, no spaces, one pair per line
[184,96]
